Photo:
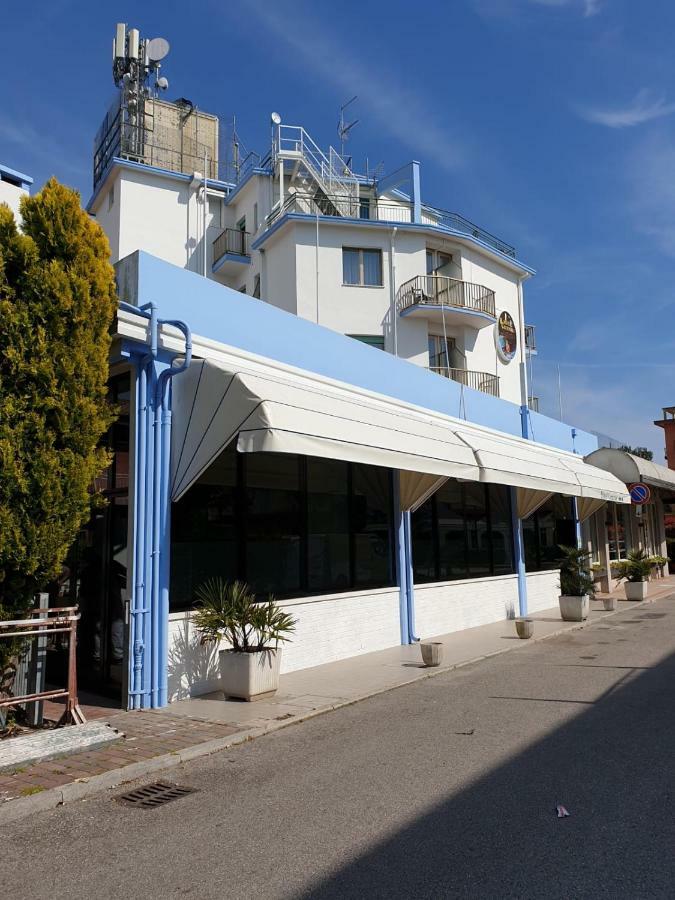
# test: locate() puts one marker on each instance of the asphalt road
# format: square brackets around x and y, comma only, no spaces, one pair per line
[445,788]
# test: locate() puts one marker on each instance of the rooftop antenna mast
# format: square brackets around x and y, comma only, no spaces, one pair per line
[135,60]
[344,128]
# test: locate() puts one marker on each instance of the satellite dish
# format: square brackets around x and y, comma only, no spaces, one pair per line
[157,49]
[276,118]
[162,83]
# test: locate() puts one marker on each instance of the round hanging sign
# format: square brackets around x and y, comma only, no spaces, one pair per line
[506,337]
[640,493]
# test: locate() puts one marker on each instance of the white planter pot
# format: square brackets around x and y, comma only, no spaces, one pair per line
[524,628]
[609,603]
[249,676]
[432,653]
[574,609]
[636,590]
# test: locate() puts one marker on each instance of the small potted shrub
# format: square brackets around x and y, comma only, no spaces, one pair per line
[576,585]
[635,570]
[658,563]
[249,668]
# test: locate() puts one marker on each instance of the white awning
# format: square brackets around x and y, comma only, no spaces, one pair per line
[632,469]
[508,460]
[213,405]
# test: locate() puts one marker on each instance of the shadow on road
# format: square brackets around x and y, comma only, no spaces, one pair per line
[612,768]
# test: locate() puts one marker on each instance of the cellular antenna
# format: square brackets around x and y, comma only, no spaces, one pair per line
[344,128]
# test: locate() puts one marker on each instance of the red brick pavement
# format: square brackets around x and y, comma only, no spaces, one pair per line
[147,734]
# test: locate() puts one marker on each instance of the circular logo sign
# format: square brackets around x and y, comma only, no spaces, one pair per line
[506,337]
[640,493]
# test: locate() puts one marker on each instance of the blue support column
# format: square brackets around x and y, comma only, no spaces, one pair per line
[519,554]
[407,528]
[401,561]
[577,523]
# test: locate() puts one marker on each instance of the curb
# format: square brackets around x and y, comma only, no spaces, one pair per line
[14,810]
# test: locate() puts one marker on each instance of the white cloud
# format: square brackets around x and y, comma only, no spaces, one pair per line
[588,7]
[401,112]
[509,8]
[645,107]
[651,179]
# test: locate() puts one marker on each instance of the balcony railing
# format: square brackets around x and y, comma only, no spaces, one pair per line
[232,242]
[379,210]
[478,381]
[440,290]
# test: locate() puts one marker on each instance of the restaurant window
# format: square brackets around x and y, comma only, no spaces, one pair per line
[286,525]
[361,267]
[553,525]
[615,521]
[463,531]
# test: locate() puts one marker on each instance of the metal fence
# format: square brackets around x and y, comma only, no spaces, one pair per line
[440,290]
[42,624]
[485,382]
[377,209]
[231,241]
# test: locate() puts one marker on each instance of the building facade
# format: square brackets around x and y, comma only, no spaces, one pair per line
[382,497]
[13,186]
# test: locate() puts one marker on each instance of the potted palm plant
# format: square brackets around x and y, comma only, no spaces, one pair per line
[635,570]
[576,584]
[229,611]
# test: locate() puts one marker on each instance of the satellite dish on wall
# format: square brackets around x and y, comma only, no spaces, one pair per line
[157,48]
[276,118]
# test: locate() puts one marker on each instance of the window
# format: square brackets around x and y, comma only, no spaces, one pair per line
[256,286]
[364,207]
[373,340]
[111,198]
[443,354]
[215,207]
[551,526]
[286,524]
[615,521]
[255,217]
[362,267]
[463,531]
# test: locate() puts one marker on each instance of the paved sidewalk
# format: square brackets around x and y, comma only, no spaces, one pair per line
[160,739]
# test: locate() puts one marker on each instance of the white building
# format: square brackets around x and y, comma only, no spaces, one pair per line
[378,501]
[298,228]
[13,186]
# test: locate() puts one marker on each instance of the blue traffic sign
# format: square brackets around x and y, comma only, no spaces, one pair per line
[640,493]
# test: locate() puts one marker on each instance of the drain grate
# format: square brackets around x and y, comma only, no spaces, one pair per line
[157,794]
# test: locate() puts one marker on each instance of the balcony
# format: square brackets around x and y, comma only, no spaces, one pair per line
[435,296]
[231,250]
[375,209]
[485,382]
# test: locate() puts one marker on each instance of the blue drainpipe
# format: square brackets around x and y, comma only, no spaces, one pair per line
[161,517]
[150,600]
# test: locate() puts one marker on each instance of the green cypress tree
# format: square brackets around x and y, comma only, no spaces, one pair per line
[57,303]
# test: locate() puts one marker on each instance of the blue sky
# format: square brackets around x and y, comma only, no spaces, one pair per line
[549,122]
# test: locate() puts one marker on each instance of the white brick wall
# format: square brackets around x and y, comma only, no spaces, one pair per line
[339,626]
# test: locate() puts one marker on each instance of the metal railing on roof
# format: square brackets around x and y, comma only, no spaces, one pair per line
[440,290]
[377,209]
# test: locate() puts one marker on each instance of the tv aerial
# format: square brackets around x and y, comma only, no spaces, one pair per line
[344,128]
